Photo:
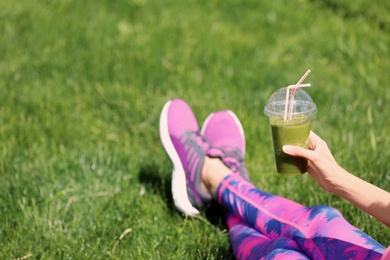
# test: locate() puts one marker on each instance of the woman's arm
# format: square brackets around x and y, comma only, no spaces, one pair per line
[334,179]
[364,195]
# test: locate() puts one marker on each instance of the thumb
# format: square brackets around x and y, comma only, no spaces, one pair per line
[297,151]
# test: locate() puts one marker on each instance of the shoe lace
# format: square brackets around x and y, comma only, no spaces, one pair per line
[195,140]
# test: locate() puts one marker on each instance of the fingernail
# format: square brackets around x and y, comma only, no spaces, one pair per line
[286,148]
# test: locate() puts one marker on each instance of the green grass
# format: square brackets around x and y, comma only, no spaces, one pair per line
[82,85]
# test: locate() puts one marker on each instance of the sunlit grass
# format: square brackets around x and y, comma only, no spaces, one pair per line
[82,84]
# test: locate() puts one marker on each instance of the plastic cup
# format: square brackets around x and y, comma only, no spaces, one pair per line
[293,129]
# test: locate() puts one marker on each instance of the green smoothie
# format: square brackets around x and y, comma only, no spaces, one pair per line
[292,132]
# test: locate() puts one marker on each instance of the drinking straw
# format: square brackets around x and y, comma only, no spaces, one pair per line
[293,88]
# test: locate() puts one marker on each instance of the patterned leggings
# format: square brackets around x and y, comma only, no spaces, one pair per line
[265,226]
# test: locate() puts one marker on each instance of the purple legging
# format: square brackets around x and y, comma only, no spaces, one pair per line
[265,226]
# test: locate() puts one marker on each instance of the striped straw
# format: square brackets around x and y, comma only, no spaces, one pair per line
[293,88]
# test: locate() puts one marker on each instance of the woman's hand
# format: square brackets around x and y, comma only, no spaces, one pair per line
[321,164]
[334,179]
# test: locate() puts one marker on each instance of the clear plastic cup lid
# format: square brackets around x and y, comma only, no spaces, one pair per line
[303,105]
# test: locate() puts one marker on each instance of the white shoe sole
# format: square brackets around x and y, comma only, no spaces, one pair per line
[179,185]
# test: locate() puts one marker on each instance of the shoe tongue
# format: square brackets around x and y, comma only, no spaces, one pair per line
[225,153]
[215,153]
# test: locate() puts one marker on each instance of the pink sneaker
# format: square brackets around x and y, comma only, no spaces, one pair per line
[185,146]
[224,131]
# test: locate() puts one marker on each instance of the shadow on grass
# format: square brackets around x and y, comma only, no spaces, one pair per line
[347,12]
[160,183]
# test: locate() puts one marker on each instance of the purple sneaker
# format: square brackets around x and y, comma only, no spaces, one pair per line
[224,131]
[185,146]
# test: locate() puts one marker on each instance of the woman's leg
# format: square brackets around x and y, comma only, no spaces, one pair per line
[318,231]
[321,232]
[248,243]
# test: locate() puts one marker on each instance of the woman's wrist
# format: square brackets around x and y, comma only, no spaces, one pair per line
[364,195]
[340,181]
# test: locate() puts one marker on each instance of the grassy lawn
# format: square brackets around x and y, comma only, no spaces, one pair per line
[82,171]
